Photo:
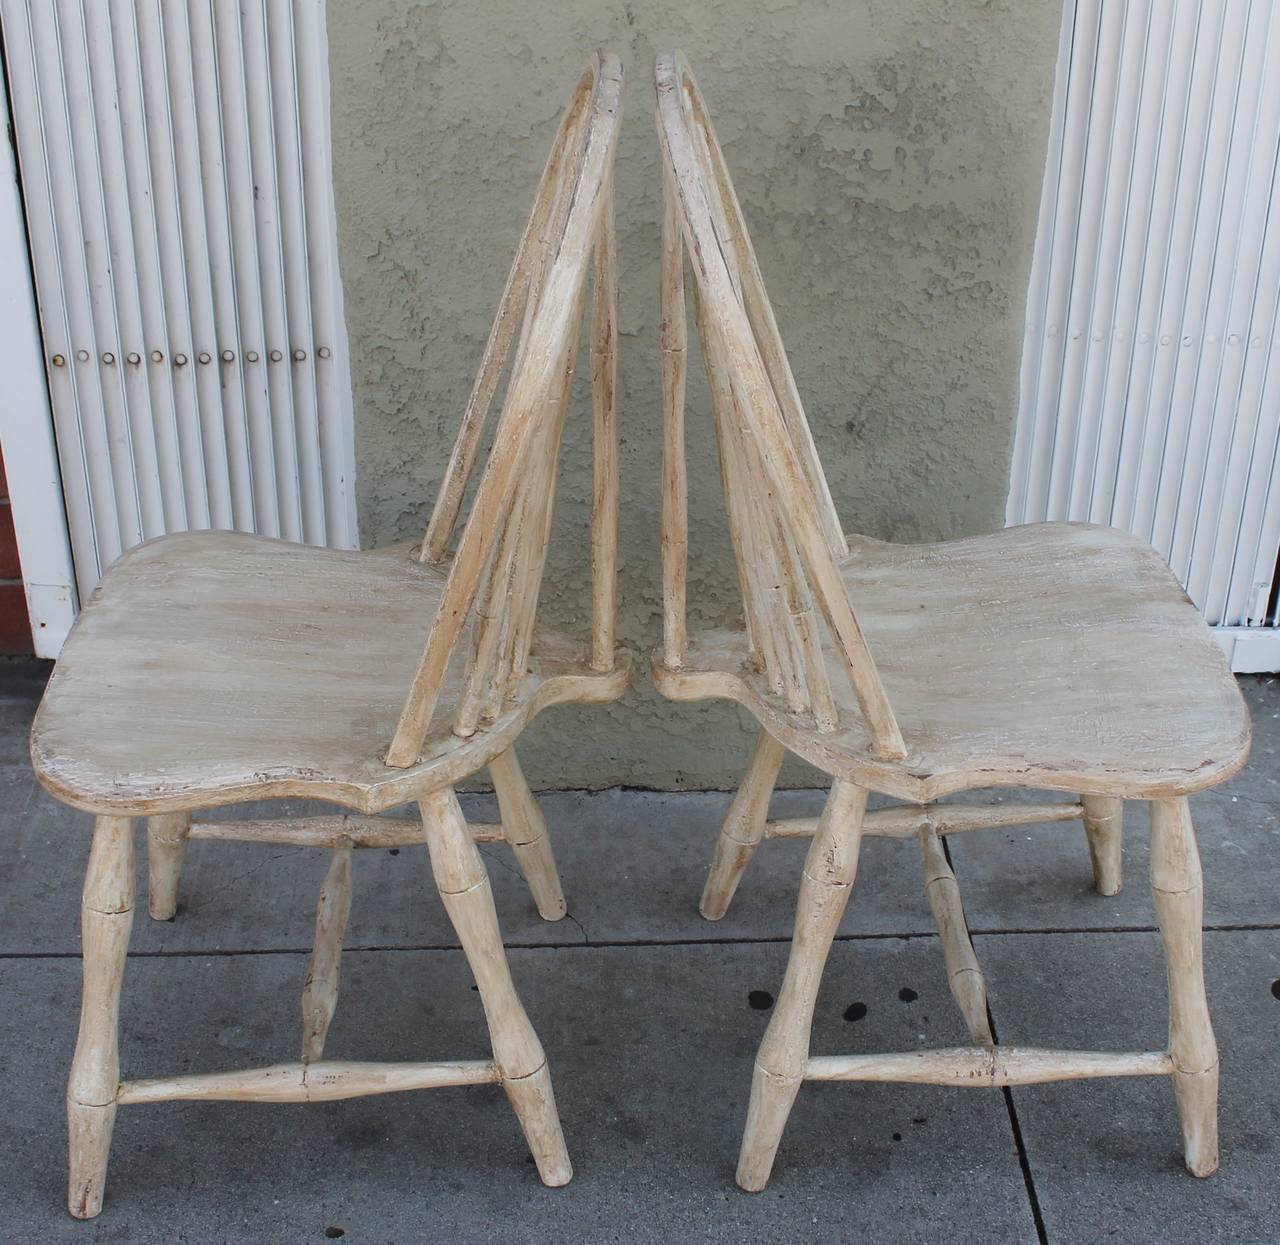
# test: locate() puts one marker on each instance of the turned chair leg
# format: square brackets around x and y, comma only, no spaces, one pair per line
[1104,826]
[106,917]
[463,884]
[166,846]
[525,829]
[825,886]
[1178,889]
[743,827]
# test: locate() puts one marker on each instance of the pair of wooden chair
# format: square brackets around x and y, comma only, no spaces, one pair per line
[213,668]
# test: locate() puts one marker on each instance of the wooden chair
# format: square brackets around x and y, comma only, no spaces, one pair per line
[1056,656]
[211,668]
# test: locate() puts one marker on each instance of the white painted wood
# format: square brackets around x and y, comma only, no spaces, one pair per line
[1151,374]
[1250,650]
[26,430]
[176,172]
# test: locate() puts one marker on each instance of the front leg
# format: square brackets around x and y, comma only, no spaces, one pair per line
[106,918]
[1178,888]
[825,887]
[463,884]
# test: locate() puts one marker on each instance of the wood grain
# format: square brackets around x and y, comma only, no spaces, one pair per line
[1052,656]
[210,668]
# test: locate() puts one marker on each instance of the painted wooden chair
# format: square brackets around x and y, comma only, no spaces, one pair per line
[1053,656]
[211,668]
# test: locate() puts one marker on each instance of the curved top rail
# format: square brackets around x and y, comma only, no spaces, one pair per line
[736,317]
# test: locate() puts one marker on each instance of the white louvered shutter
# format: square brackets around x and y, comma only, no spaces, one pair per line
[1151,371]
[176,174]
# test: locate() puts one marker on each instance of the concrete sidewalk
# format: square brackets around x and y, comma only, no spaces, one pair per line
[651,1017]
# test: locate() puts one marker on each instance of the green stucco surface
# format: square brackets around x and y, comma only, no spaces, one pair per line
[888,155]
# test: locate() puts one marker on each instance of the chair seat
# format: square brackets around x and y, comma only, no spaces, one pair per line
[1055,655]
[215,666]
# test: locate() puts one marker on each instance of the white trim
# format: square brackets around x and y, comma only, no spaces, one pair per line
[1250,650]
[26,428]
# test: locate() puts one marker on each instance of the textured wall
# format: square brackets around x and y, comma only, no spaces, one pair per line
[888,156]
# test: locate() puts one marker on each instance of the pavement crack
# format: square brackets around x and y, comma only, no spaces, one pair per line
[240,877]
[582,929]
[501,861]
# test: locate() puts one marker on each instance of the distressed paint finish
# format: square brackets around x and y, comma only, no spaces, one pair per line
[889,160]
[978,720]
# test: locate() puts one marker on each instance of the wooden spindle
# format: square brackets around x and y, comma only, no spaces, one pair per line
[673,340]
[320,993]
[535,373]
[964,974]
[758,404]
[604,481]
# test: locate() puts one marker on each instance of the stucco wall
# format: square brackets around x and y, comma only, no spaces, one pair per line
[888,155]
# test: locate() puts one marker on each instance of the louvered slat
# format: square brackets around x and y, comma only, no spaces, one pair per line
[1151,374]
[176,176]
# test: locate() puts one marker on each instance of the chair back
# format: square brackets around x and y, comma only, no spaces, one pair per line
[495,573]
[786,534]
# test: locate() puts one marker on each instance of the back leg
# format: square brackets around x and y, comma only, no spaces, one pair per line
[166,848]
[1104,826]
[525,829]
[743,827]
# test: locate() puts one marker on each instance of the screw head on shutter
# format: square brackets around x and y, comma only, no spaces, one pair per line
[59,360]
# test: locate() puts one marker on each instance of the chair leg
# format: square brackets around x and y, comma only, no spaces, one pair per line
[743,827]
[1178,889]
[1104,826]
[525,829]
[166,846]
[463,884]
[106,918]
[324,973]
[825,886]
